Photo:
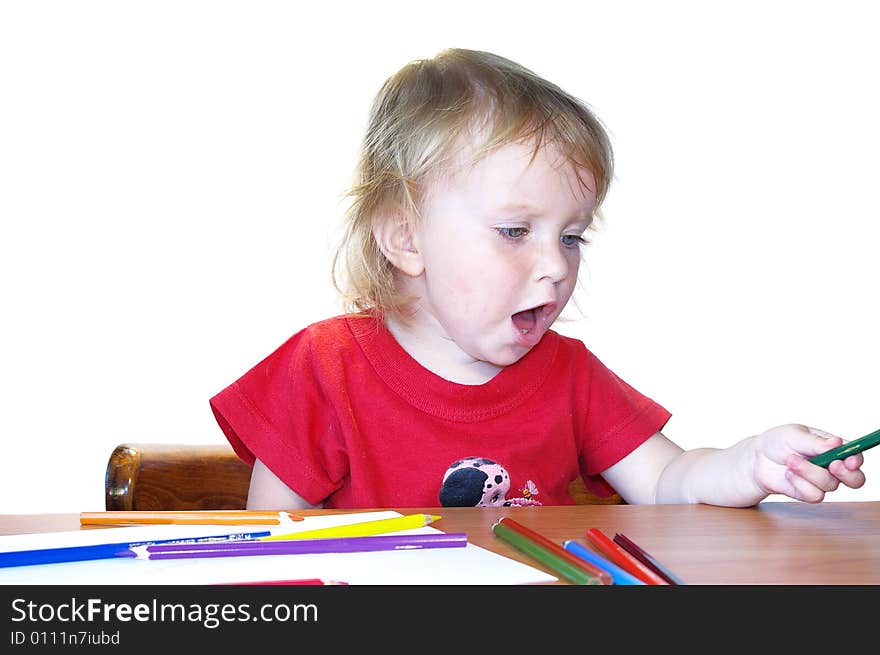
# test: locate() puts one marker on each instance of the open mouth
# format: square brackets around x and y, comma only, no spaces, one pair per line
[528,319]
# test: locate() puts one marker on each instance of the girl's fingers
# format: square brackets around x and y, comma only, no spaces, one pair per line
[826,441]
[803,489]
[851,477]
[822,433]
[823,479]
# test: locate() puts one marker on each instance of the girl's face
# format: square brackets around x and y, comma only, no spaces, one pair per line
[500,246]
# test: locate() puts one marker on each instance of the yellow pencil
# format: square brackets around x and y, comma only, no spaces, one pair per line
[362,529]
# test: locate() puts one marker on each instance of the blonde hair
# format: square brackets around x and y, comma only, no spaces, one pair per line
[416,120]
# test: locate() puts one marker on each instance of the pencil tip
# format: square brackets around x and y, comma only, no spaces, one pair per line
[432,517]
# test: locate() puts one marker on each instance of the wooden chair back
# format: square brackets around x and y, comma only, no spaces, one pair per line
[154,476]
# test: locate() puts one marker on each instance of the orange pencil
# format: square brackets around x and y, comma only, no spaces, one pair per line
[601,574]
[622,558]
[195,517]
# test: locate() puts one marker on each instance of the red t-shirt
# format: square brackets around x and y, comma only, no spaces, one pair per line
[341,413]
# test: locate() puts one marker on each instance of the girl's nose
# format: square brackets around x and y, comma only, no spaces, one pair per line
[552,262]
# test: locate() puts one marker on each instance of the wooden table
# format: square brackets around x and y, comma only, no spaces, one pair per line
[775,543]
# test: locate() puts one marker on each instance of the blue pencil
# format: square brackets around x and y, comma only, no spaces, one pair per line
[107,551]
[617,574]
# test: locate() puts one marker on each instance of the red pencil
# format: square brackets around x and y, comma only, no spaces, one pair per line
[622,558]
[602,575]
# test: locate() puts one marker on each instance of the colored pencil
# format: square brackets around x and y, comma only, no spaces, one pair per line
[845,450]
[603,576]
[306,546]
[107,551]
[622,558]
[537,552]
[194,517]
[362,529]
[620,576]
[645,558]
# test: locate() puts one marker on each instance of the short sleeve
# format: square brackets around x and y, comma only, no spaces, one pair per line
[276,412]
[618,420]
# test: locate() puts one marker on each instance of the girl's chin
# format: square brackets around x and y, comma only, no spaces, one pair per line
[501,352]
[508,356]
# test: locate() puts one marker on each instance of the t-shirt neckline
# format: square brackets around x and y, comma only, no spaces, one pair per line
[443,398]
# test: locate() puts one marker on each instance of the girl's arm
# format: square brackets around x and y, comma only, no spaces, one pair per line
[774,462]
[268,492]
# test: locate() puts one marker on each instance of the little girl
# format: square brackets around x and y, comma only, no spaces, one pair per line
[445,384]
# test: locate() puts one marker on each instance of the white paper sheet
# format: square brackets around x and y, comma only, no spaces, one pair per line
[471,565]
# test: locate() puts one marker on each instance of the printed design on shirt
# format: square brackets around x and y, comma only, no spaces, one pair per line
[530,490]
[481,482]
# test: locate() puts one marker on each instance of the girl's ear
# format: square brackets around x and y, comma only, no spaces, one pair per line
[397,242]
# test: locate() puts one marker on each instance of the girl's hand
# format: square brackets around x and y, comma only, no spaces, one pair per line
[782,466]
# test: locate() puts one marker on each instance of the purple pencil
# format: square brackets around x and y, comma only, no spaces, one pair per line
[304,546]
[645,558]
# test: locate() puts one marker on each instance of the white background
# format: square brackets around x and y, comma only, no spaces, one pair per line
[172,178]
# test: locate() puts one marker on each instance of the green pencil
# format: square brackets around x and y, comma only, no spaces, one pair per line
[545,557]
[847,449]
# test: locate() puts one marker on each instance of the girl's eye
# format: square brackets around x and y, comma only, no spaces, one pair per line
[572,240]
[512,233]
